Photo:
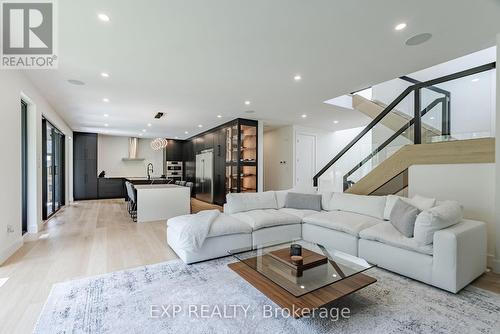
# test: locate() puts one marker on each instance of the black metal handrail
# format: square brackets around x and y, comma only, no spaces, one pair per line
[405,127]
[417,111]
[445,110]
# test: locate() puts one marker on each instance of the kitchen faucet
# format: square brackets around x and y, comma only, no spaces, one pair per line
[150,169]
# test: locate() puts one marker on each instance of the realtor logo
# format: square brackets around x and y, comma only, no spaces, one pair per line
[28,35]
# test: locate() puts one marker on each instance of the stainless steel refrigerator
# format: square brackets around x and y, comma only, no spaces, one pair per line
[205,176]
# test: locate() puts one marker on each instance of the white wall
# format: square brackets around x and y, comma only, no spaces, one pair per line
[472,103]
[13,86]
[329,144]
[111,150]
[279,146]
[278,158]
[469,184]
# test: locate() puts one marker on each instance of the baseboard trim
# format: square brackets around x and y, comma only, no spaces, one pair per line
[6,253]
[495,265]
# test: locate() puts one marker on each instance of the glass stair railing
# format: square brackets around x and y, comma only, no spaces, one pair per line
[431,121]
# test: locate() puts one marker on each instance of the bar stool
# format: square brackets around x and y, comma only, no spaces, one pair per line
[132,203]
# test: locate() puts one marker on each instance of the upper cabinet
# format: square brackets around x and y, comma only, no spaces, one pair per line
[174,150]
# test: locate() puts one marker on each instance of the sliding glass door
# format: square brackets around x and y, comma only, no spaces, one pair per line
[53,169]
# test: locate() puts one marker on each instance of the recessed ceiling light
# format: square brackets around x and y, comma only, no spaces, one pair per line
[105,100]
[418,39]
[200,126]
[297,77]
[475,80]
[76,82]
[186,132]
[143,130]
[433,117]
[103,17]
[106,125]
[335,122]
[304,116]
[140,134]
[400,26]
[247,103]
[176,137]
[106,115]
[149,124]
[105,75]
[219,116]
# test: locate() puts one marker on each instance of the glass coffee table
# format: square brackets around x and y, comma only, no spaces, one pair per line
[319,277]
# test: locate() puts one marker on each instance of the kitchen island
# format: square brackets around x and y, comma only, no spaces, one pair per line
[161,201]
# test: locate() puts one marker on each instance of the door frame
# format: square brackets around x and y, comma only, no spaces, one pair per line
[24,166]
[62,170]
[296,135]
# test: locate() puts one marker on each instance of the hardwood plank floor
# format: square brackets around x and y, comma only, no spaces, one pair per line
[85,239]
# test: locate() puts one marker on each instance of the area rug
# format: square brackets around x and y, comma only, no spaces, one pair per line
[208,297]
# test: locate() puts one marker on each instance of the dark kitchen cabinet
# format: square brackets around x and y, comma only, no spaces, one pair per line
[219,166]
[174,150]
[189,161]
[85,166]
[235,146]
[111,188]
[208,141]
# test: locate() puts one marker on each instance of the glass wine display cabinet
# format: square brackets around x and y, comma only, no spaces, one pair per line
[241,156]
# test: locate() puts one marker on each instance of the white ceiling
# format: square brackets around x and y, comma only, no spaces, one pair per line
[196,59]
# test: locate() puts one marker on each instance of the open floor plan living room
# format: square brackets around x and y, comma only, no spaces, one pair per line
[227,166]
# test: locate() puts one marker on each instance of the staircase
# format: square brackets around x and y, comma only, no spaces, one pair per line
[400,140]
[395,120]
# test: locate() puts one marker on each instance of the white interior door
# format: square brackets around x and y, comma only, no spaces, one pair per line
[305,160]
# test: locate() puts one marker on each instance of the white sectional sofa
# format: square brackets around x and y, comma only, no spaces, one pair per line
[353,224]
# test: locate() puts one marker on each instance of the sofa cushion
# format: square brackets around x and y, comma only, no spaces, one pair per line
[226,225]
[240,202]
[421,203]
[367,205]
[303,201]
[343,221]
[298,213]
[429,221]
[387,234]
[281,198]
[403,216]
[258,219]
[326,197]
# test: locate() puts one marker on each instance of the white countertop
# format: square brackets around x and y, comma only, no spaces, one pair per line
[156,186]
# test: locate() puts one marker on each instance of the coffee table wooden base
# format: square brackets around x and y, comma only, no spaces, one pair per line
[300,306]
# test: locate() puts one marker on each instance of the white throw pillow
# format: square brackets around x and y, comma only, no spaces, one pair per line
[326,197]
[420,202]
[281,197]
[366,205]
[423,203]
[437,218]
[239,202]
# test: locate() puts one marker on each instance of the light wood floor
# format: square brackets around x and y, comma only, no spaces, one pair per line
[85,239]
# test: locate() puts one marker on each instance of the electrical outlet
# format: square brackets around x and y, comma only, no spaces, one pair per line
[10,229]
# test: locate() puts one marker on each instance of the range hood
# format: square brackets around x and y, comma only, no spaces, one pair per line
[132,150]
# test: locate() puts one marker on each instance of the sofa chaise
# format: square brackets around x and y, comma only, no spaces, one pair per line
[354,224]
